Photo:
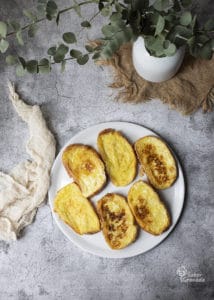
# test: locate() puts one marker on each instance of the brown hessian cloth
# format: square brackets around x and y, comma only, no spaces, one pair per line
[190,89]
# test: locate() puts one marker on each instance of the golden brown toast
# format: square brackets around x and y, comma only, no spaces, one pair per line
[75,210]
[149,211]
[83,163]
[157,161]
[117,221]
[118,156]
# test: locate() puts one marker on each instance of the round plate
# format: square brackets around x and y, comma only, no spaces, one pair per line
[95,243]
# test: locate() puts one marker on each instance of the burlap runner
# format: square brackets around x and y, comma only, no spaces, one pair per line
[192,88]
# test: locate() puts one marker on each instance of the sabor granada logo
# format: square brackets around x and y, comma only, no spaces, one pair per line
[186,276]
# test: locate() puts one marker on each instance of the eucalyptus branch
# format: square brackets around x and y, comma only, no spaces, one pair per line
[59,13]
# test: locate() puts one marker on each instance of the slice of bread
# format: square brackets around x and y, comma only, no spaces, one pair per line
[157,161]
[118,156]
[149,211]
[75,210]
[83,163]
[117,221]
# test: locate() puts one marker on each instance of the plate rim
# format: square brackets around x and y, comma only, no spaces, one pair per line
[182,178]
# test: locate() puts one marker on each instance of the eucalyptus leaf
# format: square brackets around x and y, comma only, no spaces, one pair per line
[62,49]
[96,56]
[51,10]
[89,48]
[14,25]
[186,3]
[11,60]
[86,24]
[44,66]
[186,18]
[19,37]
[162,5]
[77,8]
[32,30]
[3,29]
[82,60]
[58,58]
[29,15]
[22,61]
[20,71]
[170,50]
[206,51]
[63,63]
[52,51]
[4,45]
[160,25]
[69,37]
[75,53]
[106,11]
[209,25]
[32,66]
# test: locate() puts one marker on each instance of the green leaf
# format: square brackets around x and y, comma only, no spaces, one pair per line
[63,63]
[22,61]
[209,25]
[75,53]
[14,25]
[3,45]
[89,48]
[20,71]
[32,66]
[42,1]
[44,66]
[160,25]
[186,18]
[96,56]
[62,49]
[86,24]
[170,49]
[51,10]
[41,9]
[186,3]
[162,5]
[69,37]
[11,60]
[19,37]
[58,58]
[206,51]
[77,8]
[52,51]
[32,30]
[82,60]
[29,15]
[106,11]
[3,29]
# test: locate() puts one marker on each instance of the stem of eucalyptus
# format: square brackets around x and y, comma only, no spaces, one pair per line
[59,13]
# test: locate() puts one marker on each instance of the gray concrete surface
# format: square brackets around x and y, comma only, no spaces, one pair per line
[43,264]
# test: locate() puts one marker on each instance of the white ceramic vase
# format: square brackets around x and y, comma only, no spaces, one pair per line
[155,69]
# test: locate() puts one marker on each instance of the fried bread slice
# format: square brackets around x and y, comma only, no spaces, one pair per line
[83,163]
[149,211]
[157,161]
[117,221]
[118,156]
[75,210]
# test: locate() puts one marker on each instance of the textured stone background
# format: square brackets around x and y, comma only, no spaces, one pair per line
[43,264]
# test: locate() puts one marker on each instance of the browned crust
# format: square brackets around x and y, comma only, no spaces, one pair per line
[175,162]
[102,221]
[78,232]
[111,130]
[137,218]
[90,148]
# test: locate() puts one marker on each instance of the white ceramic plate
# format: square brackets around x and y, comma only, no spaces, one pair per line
[95,243]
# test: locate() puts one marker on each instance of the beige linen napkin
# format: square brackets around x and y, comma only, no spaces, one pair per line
[24,190]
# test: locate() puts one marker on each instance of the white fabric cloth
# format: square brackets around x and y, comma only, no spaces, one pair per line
[25,189]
